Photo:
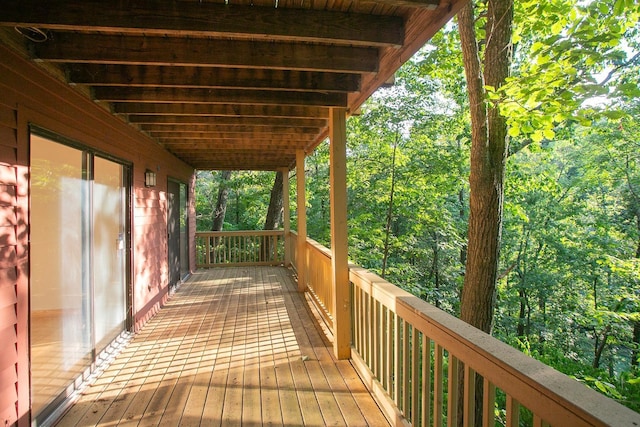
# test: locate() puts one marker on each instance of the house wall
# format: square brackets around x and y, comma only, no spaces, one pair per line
[28,95]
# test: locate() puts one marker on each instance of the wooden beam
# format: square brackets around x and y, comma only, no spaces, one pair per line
[242,146]
[221,165]
[235,136]
[232,121]
[421,4]
[218,96]
[205,19]
[134,50]
[236,162]
[276,154]
[301,262]
[214,78]
[339,249]
[240,142]
[272,130]
[221,110]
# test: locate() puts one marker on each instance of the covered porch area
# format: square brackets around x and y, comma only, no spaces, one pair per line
[233,346]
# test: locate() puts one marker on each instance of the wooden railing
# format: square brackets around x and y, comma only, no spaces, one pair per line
[318,277]
[225,248]
[428,368]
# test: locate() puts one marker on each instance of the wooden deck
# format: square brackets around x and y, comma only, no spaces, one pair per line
[234,346]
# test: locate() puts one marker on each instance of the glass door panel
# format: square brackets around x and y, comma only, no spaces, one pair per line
[184,232]
[59,285]
[109,250]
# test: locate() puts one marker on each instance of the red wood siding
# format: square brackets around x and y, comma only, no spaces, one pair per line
[8,268]
[31,96]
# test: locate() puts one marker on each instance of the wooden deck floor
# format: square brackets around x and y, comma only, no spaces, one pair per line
[233,346]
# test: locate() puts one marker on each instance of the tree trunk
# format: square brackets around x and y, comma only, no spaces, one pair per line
[522,294]
[272,221]
[600,345]
[221,204]
[274,213]
[488,155]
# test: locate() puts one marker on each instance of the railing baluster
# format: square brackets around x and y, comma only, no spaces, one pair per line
[469,396]
[539,422]
[513,412]
[389,351]
[406,364]
[454,388]
[426,380]
[488,404]
[438,392]
[396,360]
[207,253]
[375,363]
[415,376]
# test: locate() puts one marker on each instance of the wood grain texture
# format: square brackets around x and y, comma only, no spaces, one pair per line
[206,19]
[107,49]
[232,110]
[218,96]
[211,77]
[227,350]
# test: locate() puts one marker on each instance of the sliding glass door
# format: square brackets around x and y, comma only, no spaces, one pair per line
[78,263]
[60,288]
[109,250]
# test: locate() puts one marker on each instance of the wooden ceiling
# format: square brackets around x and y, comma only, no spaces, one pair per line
[232,84]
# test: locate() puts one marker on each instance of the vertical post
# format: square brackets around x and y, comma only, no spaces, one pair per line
[286,217]
[339,258]
[301,261]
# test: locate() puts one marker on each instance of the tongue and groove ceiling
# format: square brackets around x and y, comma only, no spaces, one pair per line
[235,85]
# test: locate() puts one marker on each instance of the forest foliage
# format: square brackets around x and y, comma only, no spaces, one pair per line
[569,272]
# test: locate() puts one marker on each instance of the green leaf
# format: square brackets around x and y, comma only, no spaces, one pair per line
[549,133]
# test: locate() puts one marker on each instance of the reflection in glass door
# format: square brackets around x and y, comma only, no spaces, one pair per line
[109,254]
[60,305]
[78,263]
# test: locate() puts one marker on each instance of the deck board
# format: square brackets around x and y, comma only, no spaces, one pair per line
[234,346]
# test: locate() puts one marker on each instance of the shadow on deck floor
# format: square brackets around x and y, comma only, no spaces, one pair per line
[234,346]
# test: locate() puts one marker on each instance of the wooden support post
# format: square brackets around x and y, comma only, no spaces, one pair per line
[286,217]
[339,256]
[301,261]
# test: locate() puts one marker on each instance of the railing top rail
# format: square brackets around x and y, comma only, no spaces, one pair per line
[323,250]
[240,233]
[549,393]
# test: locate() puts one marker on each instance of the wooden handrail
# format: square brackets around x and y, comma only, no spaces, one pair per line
[230,248]
[422,363]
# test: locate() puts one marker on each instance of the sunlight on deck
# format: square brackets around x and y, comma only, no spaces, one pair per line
[233,346]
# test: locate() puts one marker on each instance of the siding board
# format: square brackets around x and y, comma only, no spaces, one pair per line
[8,297]
[8,117]
[7,174]
[8,137]
[30,96]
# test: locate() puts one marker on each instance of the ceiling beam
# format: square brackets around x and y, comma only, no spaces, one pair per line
[219,96]
[207,148]
[240,164]
[236,144]
[273,130]
[206,77]
[181,136]
[136,50]
[229,151]
[204,19]
[171,109]
[422,4]
[232,121]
